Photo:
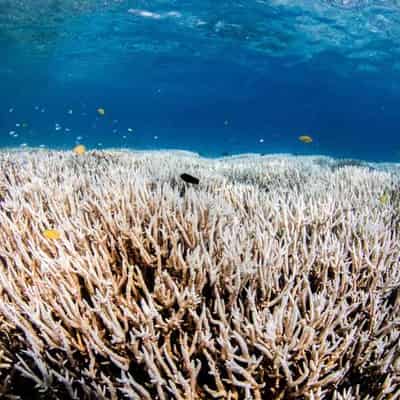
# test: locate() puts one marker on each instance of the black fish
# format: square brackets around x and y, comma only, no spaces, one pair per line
[190,179]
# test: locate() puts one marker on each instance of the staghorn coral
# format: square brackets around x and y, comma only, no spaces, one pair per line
[228,291]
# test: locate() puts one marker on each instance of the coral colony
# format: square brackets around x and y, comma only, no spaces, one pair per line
[270,278]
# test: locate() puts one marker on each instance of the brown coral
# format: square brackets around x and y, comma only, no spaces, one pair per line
[275,278]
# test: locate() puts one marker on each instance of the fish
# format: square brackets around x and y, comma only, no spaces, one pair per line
[190,179]
[101,111]
[305,139]
[384,198]
[80,149]
[51,234]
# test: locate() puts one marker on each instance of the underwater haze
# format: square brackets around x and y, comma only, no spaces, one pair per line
[213,76]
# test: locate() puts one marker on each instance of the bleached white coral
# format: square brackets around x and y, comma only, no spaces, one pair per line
[275,277]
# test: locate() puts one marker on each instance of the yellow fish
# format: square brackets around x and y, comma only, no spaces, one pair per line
[305,139]
[101,111]
[80,149]
[384,198]
[51,234]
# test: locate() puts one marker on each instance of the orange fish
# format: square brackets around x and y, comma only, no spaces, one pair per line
[80,149]
[51,234]
[305,139]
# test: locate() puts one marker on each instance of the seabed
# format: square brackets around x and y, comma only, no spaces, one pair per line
[274,277]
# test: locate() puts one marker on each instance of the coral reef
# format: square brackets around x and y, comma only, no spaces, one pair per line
[273,278]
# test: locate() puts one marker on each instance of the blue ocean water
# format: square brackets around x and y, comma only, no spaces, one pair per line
[214,77]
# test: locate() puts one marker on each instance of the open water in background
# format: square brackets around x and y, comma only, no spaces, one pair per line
[214,77]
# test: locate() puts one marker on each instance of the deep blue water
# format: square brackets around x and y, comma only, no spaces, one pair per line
[215,77]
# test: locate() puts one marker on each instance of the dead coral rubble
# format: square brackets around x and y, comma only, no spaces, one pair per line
[228,292]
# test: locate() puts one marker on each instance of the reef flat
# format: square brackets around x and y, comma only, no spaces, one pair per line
[259,277]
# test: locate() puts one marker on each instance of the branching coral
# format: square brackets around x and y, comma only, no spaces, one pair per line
[228,291]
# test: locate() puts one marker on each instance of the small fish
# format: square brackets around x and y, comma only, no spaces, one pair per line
[70,112]
[190,179]
[24,125]
[51,234]
[305,139]
[384,198]
[80,149]
[101,111]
